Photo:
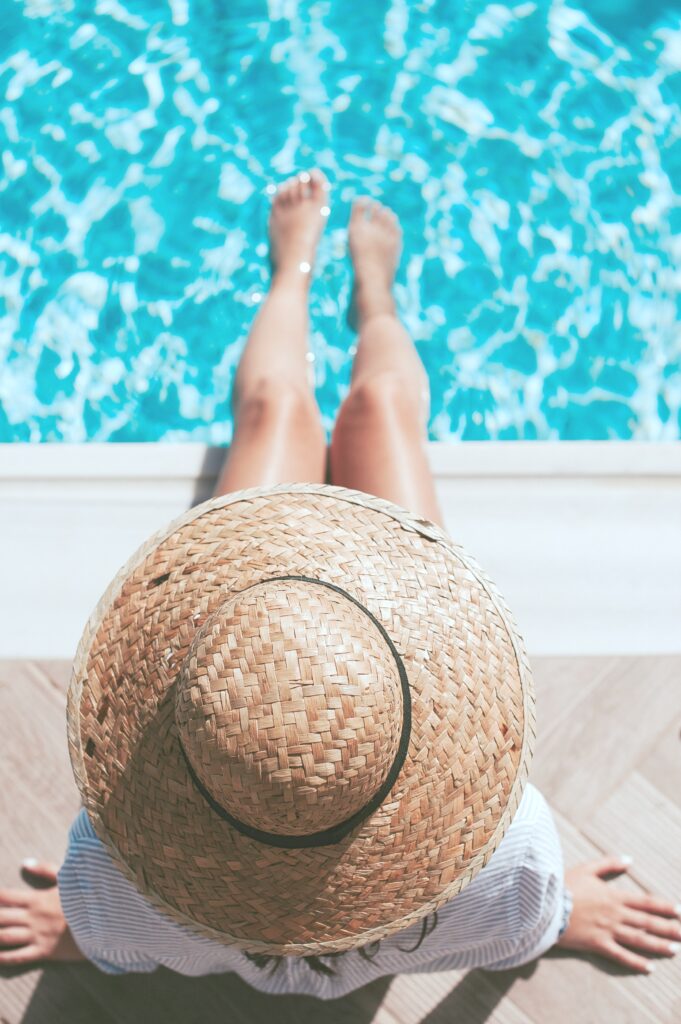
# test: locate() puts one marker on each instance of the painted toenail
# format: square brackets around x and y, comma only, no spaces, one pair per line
[304,177]
[29,862]
[650,967]
[626,859]
[674,947]
[325,211]
[677,909]
[305,267]
[271,189]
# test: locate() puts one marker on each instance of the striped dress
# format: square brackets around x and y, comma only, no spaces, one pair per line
[512,912]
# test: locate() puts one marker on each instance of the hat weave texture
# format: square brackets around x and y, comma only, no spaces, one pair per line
[300,718]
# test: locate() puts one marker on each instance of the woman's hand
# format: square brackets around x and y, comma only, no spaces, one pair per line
[614,923]
[32,923]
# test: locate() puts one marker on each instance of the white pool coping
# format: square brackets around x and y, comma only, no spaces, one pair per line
[582,538]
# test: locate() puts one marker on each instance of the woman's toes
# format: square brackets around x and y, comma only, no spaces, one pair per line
[388,217]
[319,186]
[285,190]
[305,185]
[320,183]
[360,208]
[298,221]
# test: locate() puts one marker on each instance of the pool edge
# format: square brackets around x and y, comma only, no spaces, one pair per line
[582,538]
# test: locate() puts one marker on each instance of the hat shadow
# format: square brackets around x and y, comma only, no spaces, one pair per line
[204,483]
[212,461]
[80,994]
[476,996]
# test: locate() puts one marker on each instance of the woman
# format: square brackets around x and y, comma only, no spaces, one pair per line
[519,904]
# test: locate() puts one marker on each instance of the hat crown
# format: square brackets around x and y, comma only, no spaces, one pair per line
[289,707]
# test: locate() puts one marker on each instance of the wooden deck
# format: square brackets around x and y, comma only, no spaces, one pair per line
[607,759]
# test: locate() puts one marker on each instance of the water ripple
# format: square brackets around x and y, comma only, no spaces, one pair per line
[531,150]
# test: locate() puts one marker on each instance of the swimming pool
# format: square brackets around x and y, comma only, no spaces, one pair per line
[531,151]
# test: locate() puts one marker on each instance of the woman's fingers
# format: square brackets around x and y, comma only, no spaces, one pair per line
[639,939]
[627,958]
[14,936]
[22,955]
[12,915]
[665,927]
[13,898]
[610,866]
[652,904]
[42,870]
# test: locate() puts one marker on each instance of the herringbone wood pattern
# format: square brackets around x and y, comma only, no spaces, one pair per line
[608,759]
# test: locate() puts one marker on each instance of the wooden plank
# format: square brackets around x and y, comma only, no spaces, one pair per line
[561,684]
[33,738]
[56,670]
[647,826]
[37,800]
[661,765]
[565,987]
[441,998]
[585,757]
[41,799]
[660,994]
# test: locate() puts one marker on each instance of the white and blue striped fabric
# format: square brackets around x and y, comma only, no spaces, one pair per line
[510,913]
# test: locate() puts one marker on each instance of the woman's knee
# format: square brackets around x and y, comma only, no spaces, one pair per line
[268,402]
[386,395]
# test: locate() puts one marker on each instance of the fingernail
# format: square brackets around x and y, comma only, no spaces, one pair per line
[650,967]
[674,947]
[29,862]
[677,909]
[626,859]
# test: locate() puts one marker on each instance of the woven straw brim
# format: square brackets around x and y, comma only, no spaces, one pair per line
[471,741]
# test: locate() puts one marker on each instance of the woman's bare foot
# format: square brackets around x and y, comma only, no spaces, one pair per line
[613,922]
[32,923]
[299,212]
[375,239]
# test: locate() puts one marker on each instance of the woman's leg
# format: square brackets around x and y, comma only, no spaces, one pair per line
[278,432]
[378,443]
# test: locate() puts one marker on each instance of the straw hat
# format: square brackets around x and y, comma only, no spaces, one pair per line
[300,718]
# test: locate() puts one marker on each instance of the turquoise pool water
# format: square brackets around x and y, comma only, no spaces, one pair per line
[532,151]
